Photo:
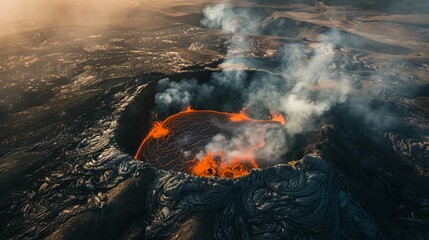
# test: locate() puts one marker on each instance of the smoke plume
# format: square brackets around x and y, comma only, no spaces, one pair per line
[308,80]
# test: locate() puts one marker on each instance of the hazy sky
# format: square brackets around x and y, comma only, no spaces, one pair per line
[42,13]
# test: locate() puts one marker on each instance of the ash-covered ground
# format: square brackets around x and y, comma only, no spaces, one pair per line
[82,81]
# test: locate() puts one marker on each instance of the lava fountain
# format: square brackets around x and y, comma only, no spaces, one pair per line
[206,142]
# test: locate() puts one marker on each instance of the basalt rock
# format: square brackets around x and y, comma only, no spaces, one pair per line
[300,200]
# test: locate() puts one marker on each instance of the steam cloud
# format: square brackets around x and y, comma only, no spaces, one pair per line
[241,145]
[174,93]
[312,79]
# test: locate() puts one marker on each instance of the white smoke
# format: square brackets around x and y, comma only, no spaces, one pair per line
[311,80]
[175,94]
[178,95]
[305,75]
[241,145]
[319,86]
[231,20]
[310,85]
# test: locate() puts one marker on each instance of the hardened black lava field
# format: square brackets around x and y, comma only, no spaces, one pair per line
[227,119]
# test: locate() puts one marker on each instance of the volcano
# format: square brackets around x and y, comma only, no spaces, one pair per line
[181,142]
[95,141]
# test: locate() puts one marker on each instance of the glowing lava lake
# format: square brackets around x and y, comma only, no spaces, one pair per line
[206,142]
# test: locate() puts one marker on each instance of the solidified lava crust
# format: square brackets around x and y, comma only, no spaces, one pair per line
[300,200]
[80,82]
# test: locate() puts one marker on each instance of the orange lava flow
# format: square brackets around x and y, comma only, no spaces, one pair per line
[188,109]
[237,168]
[277,118]
[207,166]
[158,130]
[206,143]
[238,117]
[217,165]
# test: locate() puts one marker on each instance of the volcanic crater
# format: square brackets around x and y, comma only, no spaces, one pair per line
[177,139]
[88,151]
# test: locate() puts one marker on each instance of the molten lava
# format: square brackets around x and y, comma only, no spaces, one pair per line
[277,118]
[238,117]
[206,166]
[206,143]
[158,130]
[216,165]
